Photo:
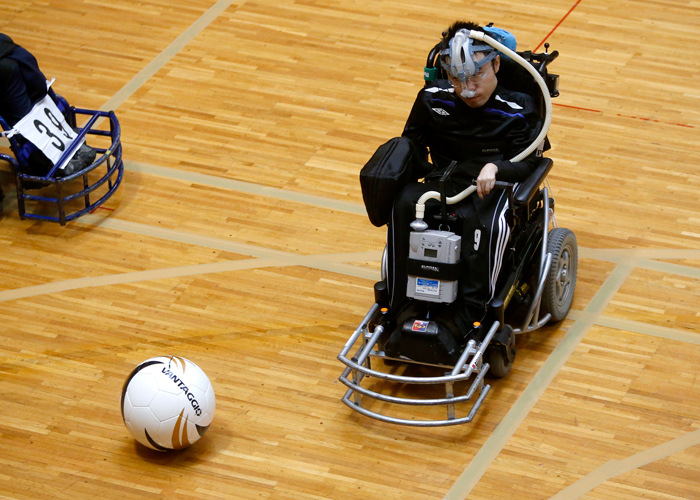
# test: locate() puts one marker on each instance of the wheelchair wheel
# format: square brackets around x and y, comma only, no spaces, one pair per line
[559,287]
[497,358]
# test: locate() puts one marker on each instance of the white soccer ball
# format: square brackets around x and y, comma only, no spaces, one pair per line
[167,403]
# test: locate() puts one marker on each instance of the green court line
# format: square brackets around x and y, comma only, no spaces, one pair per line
[133,277]
[533,392]
[671,268]
[615,468]
[323,263]
[337,263]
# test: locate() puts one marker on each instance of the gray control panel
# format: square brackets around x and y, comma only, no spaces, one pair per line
[432,248]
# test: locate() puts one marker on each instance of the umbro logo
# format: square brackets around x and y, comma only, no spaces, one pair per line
[441,111]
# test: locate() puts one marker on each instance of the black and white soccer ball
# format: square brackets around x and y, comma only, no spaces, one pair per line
[167,403]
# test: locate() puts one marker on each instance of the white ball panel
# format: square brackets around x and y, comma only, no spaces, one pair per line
[140,420]
[166,406]
[142,389]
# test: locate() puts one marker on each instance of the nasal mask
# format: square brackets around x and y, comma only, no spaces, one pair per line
[462,64]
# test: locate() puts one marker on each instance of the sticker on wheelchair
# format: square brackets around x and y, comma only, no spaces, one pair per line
[46,128]
[420,326]
[426,286]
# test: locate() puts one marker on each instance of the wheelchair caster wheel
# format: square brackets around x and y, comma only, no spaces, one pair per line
[501,353]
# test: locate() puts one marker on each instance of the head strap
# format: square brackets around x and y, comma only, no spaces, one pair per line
[461,53]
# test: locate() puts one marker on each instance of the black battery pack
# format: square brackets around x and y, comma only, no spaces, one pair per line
[423,341]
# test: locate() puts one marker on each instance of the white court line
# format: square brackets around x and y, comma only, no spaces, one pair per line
[262,257]
[533,392]
[246,187]
[168,53]
[615,468]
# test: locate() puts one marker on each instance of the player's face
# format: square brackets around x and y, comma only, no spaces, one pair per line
[481,85]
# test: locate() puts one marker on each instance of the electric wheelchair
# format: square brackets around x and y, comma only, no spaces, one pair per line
[62,198]
[535,287]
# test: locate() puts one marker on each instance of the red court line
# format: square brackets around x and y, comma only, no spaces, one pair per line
[558,24]
[656,121]
[576,107]
[101,207]
[653,120]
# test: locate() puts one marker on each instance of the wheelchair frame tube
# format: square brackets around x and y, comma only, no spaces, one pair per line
[532,319]
[359,371]
[360,329]
[422,423]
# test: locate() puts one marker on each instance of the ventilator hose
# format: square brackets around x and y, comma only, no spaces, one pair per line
[478,35]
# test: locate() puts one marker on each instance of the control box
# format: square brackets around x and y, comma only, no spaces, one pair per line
[433,258]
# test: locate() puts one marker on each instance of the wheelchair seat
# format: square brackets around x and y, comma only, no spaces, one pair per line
[65,198]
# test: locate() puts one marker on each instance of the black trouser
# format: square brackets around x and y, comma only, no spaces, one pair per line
[484,230]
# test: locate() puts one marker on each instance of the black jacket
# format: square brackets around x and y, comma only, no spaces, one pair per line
[442,124]
[22,83]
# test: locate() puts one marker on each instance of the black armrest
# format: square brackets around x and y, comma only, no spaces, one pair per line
[527,189]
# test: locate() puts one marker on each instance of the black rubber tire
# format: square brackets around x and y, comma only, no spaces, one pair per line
[499,366]
[560,284]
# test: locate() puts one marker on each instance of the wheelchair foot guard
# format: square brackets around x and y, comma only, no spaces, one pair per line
[471,362]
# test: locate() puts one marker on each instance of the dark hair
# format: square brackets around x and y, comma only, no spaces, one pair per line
[454,28]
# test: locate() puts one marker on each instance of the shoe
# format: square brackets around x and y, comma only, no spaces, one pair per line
[82,159]
[71,167]
[86,154]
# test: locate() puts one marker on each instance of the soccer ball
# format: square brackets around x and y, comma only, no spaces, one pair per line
[167,403]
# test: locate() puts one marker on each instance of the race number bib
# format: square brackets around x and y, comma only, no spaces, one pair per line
[46,128]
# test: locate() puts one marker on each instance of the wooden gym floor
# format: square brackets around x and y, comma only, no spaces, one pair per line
[239,240]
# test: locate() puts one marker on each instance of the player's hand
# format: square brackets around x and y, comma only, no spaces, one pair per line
[486,180]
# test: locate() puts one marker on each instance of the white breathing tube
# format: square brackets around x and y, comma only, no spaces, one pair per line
[478,35]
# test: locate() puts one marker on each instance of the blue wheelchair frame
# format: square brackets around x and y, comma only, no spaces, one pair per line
[111,157]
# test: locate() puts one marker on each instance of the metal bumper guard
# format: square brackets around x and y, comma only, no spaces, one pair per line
[470,363]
